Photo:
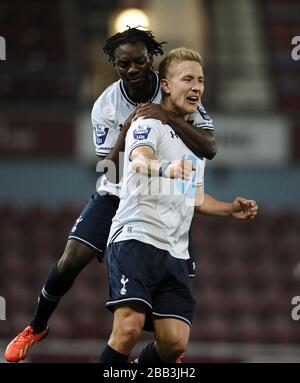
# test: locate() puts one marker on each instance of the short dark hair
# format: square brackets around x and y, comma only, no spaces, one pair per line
[132,36]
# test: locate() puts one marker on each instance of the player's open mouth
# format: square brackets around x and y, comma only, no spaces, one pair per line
[193,99]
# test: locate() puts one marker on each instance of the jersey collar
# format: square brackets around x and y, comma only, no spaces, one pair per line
[123,91]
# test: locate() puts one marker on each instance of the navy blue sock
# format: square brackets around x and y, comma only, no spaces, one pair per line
[109,355]
[149,355]
[55,287]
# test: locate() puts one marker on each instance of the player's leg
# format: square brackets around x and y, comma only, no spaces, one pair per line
[87,239]
[173,310]
[127,327]
[172,336]
[192,265]
[128,274]
[56,285]
[59,280]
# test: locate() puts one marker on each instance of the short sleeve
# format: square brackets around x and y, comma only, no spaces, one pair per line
[105,134]
[143,132]
[201,119]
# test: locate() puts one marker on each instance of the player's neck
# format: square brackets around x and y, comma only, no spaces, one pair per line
[168,106]
[144,94]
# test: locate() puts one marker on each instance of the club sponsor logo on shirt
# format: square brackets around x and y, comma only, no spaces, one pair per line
[141,133]
[100,134]
[203,113]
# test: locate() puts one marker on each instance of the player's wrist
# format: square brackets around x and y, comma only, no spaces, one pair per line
[231,209]
[162,169]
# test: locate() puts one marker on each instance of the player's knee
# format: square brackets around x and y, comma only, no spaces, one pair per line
[171,349]
[172,345]
[126,336]
[75,257]
[179,347]
[132,332]
[133,325]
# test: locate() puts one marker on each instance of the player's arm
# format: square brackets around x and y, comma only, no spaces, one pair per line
[144,162]
[120,144]
[109,164]
[112,158]
[240,208]
[200,141]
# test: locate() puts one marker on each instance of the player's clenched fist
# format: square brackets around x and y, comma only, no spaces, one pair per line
[243,208]
[179,169]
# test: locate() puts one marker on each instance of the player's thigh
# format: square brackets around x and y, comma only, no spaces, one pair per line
[93,224]
[75,257]
[130,265]
[174,298]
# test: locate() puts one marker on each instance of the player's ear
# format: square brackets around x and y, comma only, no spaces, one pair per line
[164,83]
[151,61]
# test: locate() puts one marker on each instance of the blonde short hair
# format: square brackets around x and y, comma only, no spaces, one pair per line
[176,56]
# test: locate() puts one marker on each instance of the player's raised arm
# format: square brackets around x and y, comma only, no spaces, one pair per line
[200,141]
[144,162]
[240,208]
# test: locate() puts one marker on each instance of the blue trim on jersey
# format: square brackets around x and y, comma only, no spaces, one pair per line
[157,87]
[123,91]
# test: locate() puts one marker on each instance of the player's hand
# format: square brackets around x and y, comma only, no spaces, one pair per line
[243,208]
[180,169]
[148,110]
[132,117]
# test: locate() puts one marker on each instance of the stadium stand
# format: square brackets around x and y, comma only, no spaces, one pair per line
[281,22]
[243,288]
[38,67]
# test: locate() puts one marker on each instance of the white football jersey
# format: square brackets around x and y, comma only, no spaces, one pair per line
[111,110]
[157,210]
